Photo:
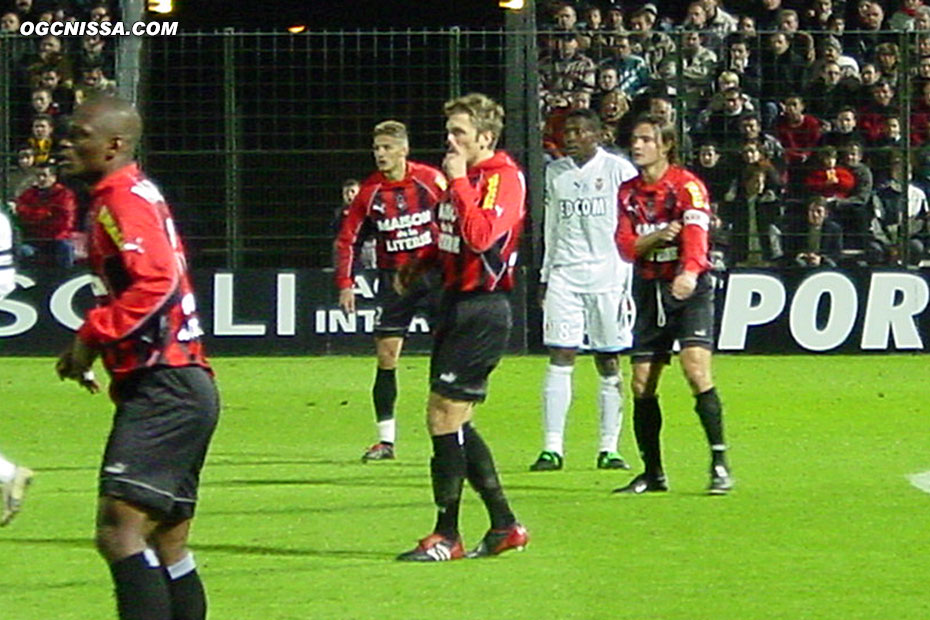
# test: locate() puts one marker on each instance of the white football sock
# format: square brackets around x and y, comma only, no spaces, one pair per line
[387,430]
[7,470]
[610,404]
[557,397]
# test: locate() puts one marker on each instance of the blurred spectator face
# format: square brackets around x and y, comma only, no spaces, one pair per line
[567,47]
[25,158]
[831,74]
[708,156]
[639,22]
[869,74]
[92,77]
[662,109]
[923,45]
[816,214]
[607,78]
[49,79]
[45,177]
[788,22]
[771,5]
[739,53]
[593,17]
[823,7]
[9,22]
[751,153]
[99,14]
[579,100]
[836,24]
[727,80]
[747,25]
[23,6]
[779,43]
[691,42]
[41,129]
[828,159]
[614,19]
[49,45]
[751,128]
[872,15]
[892,128]
[923,69]
[565,18]
[92,44]
[912,4]
[853,155]
[845,121]
[922,19]
[697,16]
[887,60]
[794,109]
[622,47]
[349,192]
[925,93]
[41,99]
[613,106]
[46,16]
[883,93]
[830,53]
[732,102]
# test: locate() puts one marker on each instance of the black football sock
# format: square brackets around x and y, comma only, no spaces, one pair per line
[188,600]
[483,478]
[710,411]
[141,591]
[447,468]
[647,422]
[384,393]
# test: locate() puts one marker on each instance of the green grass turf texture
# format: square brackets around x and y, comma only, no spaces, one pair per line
[823,522]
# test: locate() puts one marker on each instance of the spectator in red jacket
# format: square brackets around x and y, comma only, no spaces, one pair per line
[872,116]
[47,212]
[798,132]
[828,179]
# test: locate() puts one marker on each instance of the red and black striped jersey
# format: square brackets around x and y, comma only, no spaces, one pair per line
[480,225]
[678,195]
[402,215]
[146,314]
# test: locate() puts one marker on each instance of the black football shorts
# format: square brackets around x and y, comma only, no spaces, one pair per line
[470,337]
[396,311]
[661,319]
[162,427]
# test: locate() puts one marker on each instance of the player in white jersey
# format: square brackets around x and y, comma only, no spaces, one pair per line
[13,479]
[586,285]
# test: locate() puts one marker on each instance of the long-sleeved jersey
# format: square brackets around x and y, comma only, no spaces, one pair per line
[479,226]
[581,223]
[7,268]
[147,315]
[678,195]
[402,213]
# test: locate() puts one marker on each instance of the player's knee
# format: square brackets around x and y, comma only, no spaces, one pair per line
[560,356]
[115,543]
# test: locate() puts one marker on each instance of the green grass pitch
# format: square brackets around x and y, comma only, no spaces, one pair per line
[823,522]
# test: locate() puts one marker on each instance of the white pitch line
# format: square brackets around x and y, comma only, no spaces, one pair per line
[921,480]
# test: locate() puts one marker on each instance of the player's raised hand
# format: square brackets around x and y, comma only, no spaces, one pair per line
[455,163]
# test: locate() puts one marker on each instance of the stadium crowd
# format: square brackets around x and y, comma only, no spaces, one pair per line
[809,120]
[52,75]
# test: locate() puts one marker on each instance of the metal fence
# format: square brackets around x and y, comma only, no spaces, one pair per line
[251,134]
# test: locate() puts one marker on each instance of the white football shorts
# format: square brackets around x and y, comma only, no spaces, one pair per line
[601,322]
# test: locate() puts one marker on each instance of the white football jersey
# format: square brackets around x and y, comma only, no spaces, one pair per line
[581,222]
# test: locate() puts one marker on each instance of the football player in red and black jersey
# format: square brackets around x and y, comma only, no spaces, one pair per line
[397,203]
[664,220]
[479,230]
[146,330]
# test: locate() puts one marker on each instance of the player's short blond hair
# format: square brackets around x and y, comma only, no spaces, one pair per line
[394,129]
[485,113]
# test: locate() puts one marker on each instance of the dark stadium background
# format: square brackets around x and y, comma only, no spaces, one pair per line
[209,14]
